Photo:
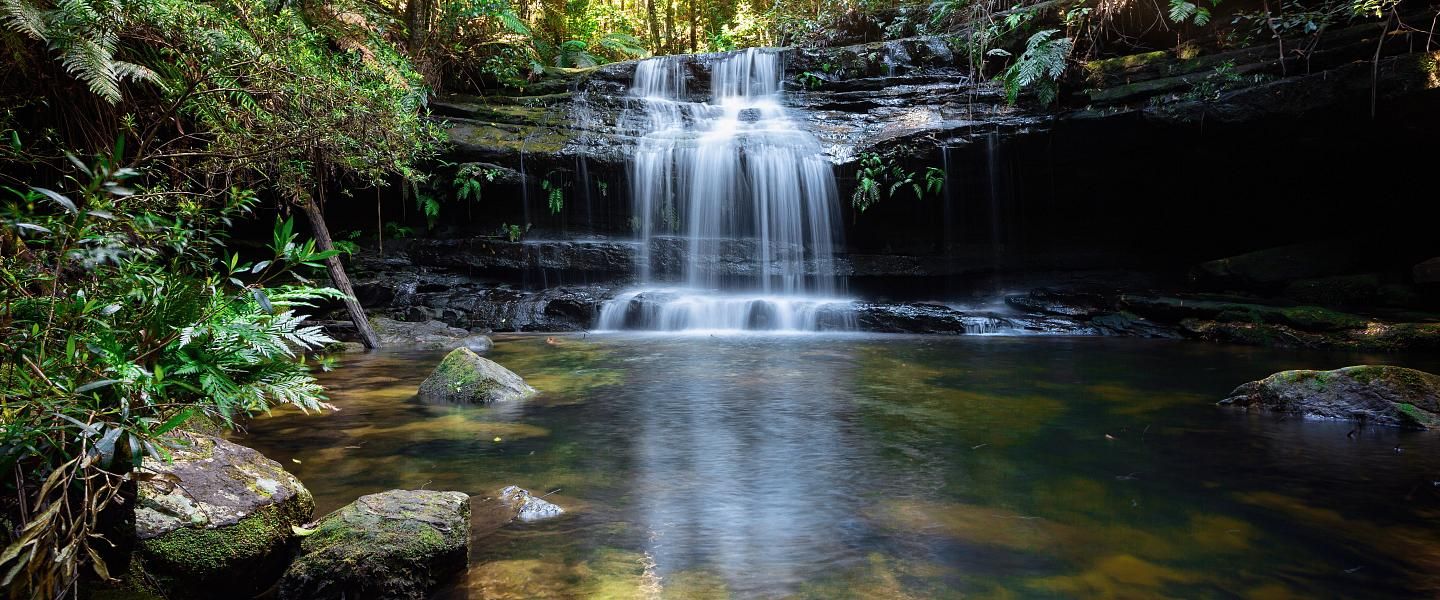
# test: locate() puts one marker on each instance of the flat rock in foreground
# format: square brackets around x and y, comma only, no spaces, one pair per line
[397,545]
[1378,394]
[216,522]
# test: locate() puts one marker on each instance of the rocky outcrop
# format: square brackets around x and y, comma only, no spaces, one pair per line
[427,335]
[1375,394]
[527,507]
[464,377]
[217,521]
[393,545]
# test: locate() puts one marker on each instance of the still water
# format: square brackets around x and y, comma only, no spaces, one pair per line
[838,466]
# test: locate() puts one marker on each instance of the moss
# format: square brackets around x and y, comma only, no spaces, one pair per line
[1415,415]
[205,550]
[1314,318]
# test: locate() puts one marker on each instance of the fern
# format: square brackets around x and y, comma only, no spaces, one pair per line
[1183,10]
[84,33]
[624,44]
[1039,68]
[24,18]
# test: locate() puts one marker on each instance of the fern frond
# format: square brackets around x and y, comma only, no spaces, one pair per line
[90,61]
[24,17]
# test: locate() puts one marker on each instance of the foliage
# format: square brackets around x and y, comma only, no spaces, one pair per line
[1224,78]
[1182,11]
[554,194]
[513,232]
[119,321]
[85,35]
[277,100]
[1039,68]
[878,177]
[934,180]
[396,231]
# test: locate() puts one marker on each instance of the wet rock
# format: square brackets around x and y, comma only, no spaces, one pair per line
[1375,336]
[466,377]
[477,343]
[1378,394]
[1131,325]
[908,318]
[397,544]
[425,335]
[527,507]
[216,522]
[1065,304]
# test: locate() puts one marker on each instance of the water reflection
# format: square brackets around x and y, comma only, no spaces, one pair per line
[748,469]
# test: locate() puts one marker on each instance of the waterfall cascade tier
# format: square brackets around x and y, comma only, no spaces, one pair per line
[733,168]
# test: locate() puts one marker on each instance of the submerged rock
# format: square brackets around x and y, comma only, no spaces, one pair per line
[527,507]
[394,545]
[216,522]
[477,343]
[466,377]
[1379,394]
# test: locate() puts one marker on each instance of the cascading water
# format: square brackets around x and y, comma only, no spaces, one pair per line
[745,196]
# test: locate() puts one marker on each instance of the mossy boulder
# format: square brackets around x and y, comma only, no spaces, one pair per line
[216,522]
[466,377]
[396,545]
[1378,394]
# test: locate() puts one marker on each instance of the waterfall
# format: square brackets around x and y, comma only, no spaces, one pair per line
[743,194]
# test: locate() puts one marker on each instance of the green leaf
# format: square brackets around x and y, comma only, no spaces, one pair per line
[64,202]
[95,385]
[175,420]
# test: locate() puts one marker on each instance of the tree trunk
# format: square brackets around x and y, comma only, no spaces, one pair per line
[337,274]
[417,18]
[655,45]
[692,27]
[669,26]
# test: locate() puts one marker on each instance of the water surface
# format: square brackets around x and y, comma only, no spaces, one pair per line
[839,466]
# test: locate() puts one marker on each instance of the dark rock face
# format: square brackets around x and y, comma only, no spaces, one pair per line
[1378,394]
[464,377]
[216,522]
[392,545]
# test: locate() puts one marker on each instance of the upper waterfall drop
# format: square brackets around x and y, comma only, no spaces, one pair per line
[744,194]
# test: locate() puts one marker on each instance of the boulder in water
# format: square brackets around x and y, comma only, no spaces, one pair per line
[477,343]
[466,377]
[1379,394]
[216,521]
[527,507]
[393,545]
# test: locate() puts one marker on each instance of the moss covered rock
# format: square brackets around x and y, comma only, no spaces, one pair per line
[217,521]
[466,377]
[1379,394]
[394,545]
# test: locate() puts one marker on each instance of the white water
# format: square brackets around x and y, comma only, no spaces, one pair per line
[748,193]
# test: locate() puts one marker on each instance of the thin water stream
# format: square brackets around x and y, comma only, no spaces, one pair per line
[847,466]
